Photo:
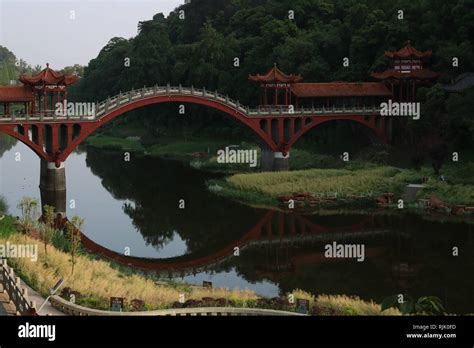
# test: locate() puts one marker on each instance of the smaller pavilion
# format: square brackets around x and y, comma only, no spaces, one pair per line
[39,93]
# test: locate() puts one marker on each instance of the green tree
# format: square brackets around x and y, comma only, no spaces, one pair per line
[73,230]
[48,228]
[29,214]
[427,305]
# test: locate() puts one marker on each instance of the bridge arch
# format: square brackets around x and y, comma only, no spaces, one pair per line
[26,138]
[376,125]
[87,128]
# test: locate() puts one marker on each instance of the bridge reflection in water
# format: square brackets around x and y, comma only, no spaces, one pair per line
[278,230]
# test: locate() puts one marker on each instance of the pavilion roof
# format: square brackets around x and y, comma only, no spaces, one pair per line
[422,74]
[408,52]
[340,89]
[275,75]
[16,94]
[48,77]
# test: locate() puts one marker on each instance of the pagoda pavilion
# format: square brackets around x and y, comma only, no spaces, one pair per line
[399,83]
[276,84]
[39,93]
[275,87]
[408,72]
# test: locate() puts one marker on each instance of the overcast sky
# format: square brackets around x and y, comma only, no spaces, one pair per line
[41,31]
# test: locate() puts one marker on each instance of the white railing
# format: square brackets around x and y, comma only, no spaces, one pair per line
[122,99]
[18,295]
[76,310]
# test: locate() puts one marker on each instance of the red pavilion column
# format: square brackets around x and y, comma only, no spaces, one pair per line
[44,99]
[409,90]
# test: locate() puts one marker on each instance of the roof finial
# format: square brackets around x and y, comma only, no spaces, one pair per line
[409,43]
[47,65]
[275,65]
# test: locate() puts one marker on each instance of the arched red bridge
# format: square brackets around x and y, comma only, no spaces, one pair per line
[55,137]
[289,108]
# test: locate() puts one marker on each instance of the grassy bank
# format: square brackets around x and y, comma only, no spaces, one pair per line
[115,143]
[265,188]
[357,179]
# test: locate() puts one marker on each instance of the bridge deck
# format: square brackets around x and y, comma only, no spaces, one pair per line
[124,99]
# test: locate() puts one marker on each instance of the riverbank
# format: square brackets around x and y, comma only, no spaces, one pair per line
[94,281]
[331,182]
[358,184]
[199,152]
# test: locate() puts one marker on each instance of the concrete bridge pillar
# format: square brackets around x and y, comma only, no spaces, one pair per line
[53,186]
[274,161]
[389,128]
[281,162]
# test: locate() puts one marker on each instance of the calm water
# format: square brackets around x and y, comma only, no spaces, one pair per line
[135,205]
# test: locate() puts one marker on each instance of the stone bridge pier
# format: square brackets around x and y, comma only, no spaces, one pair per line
[53,186]
[274,161]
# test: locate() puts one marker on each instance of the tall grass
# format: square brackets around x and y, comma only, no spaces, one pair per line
[342,305]
[318,181]
[355,179]
[99,280]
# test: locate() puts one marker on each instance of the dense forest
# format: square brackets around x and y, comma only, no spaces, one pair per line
[11,67]
[200,49]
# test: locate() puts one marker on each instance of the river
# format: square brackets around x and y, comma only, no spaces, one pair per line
[135,206]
